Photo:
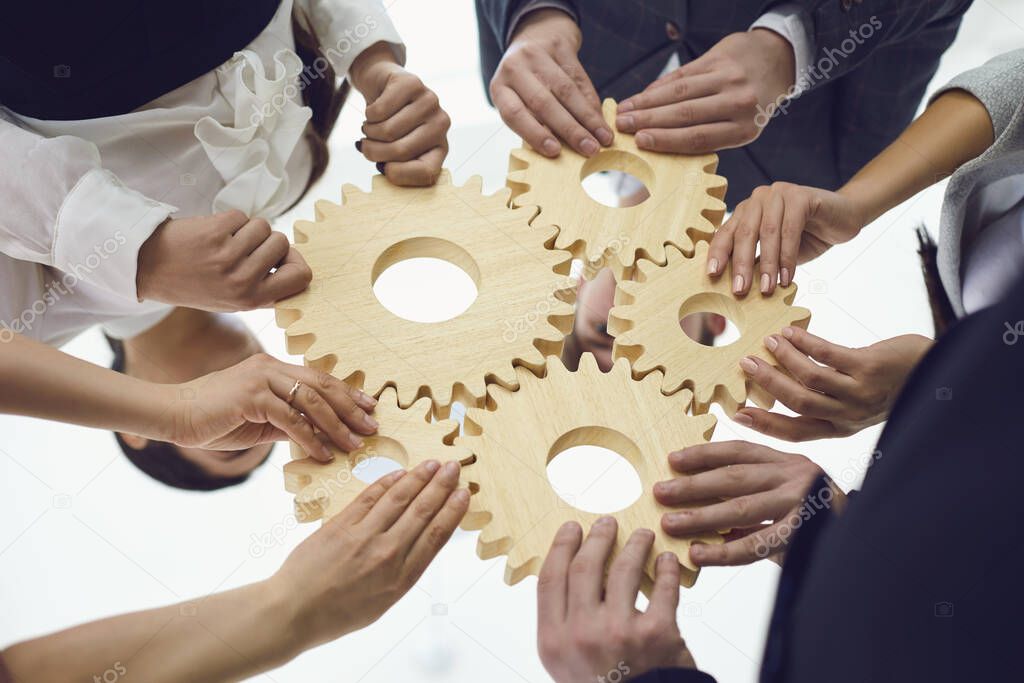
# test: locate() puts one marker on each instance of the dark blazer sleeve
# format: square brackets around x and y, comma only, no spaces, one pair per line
[673,676]
[845,34]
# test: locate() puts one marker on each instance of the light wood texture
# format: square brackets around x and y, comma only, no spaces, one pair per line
[645,324]
[521,313]
[406,436]
[685,202]
[513,440]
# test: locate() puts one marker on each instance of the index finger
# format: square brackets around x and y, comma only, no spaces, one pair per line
[292,276]
[522,121]
[672,91]
[553,580]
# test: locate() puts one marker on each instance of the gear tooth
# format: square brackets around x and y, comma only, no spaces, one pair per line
[444,178]
[474,184]
[422,406]
[522,199]
[350,193]
[491,542]
[521,155]
[588,364]
[519,565]
[706,423]
[555,368]
[519,177]
[302,231]
[476,516]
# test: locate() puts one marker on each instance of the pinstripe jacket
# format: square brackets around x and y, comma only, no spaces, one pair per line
[871,94]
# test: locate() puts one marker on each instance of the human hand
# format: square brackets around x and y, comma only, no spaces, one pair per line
[405,127]
[757,483]
[717,101]
[369,555]
[793,223]
[223,262]
[585,631]
[247,404]
[542,91]
[853,389]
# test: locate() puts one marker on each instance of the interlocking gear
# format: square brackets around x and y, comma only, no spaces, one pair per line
[521,431]
[522,311]
[645,322]
[685,202]
[406,436]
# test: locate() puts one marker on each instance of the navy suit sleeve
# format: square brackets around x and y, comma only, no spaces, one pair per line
[843,37]
[673,676]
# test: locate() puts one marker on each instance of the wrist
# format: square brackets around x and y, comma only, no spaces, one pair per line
[781,57]
[548,21]
[370,70]
[865,205]
[145,261]
[280,611]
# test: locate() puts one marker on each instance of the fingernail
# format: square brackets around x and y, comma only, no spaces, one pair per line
[450,474]
[431,466]
[589,146]
[766,282]
[787,332]
[644,140]
[366,399]
[785,277]
[370,422]
[398,474]
[697,550]
[660,487]
[327,453]
[743,419]
[713,266]
[604,521]
[626,106]
[569,528]
[550,147]
[665,558]
[356,441]
[771,343]
[359,146]
[380,167]
[624,123]
[737,284]
[605,136]
[460,496]
[748,365]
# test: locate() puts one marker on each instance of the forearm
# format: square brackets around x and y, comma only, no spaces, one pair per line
[954,129]
[40,381]
[224,637]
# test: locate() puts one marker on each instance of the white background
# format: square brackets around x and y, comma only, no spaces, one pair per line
[84,535]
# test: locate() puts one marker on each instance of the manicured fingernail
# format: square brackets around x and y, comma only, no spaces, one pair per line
[626,106]
[450,474]
[737,284]
[589,146]
[713,266]
[359,146]
[380,167]
[771,343]
[644,140]
[431,466]
[605,136]
[550,147]
[459,496]
[784,277]
[766,282]
[787,332]
[748,365]
[743,419]
[370,422]
[624,123]
[604,521]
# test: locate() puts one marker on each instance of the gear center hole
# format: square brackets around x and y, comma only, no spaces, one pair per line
[425,280]
[629,185]
[711,319]
[380,456]
[591,469]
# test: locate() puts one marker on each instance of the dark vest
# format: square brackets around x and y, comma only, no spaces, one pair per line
[79,60]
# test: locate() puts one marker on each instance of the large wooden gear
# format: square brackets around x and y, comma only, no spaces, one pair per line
[645,324]
[685,203]
[341,327]
[521,431]
[406,436]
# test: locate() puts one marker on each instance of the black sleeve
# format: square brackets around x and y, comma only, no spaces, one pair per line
[673,676]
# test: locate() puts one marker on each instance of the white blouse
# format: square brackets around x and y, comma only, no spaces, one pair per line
[80,197]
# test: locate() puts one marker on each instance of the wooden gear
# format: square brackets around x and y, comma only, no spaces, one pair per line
[645,324]
[406,436]
[341,327]
[513,440]
[685,202]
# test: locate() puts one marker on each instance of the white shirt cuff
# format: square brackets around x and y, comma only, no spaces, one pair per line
[792,23]
[99,229]
[353,27]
